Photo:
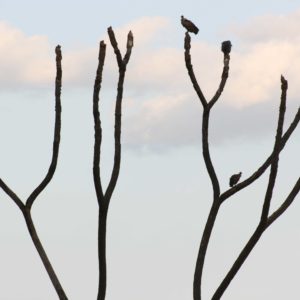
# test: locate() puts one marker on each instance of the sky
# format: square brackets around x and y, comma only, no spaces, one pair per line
[163,194]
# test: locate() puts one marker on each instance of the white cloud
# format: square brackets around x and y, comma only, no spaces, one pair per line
[164,109]
[269,27]
[23,59]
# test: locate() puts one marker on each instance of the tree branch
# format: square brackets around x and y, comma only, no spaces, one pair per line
[104,200]
[12,195]
[197,284]
[189,66]
[265,221]
[265,165]
[97,124]
[118,109]
[238,263]
[57,128]
[288,201]
[114,44]
[276,151]
[46,262]
[206,155]
[26,209]
[226,48]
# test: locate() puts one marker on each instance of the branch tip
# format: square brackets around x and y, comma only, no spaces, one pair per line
[130,39]
[284,83]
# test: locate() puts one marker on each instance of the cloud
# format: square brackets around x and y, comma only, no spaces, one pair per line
[28,61]
[23,60]
[164,111]
[271,28]
[168,122]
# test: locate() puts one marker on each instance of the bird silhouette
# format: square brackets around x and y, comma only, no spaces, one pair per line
[188,25]
[234,179]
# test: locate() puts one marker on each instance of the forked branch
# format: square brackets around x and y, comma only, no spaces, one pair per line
[104,197]
[26,209]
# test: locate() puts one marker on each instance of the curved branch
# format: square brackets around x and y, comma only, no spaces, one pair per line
[265,165]
[206,154]
[189,66]
[97,123]
[57,128]
[225,74]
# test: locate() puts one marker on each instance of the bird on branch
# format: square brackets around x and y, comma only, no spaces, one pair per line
[188,25]
[234,179]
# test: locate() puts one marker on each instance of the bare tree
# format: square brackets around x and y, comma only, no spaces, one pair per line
[104,197]
[219,197]
[26,208]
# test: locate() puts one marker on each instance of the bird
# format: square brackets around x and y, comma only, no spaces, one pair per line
[188,25]
[226,47]
[234,179]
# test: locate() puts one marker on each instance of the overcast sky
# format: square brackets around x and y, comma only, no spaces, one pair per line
[163,194]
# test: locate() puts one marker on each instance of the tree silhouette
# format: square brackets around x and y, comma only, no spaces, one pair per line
[219,197]
[26,208]
[104,197]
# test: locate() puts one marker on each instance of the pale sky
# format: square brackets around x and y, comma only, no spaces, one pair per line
[163,194]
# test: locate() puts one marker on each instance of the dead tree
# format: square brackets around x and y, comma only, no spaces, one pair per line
[267,218]
[104,197]
[26,208]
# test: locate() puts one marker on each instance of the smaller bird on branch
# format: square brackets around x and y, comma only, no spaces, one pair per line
[234,179]
[188,25]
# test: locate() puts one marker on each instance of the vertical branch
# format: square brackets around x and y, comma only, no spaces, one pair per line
[104,198]
[276,151]
[197,283]
[97,124]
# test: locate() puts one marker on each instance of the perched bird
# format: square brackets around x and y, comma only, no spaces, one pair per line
[226,47]
[234,179]
[188,25]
